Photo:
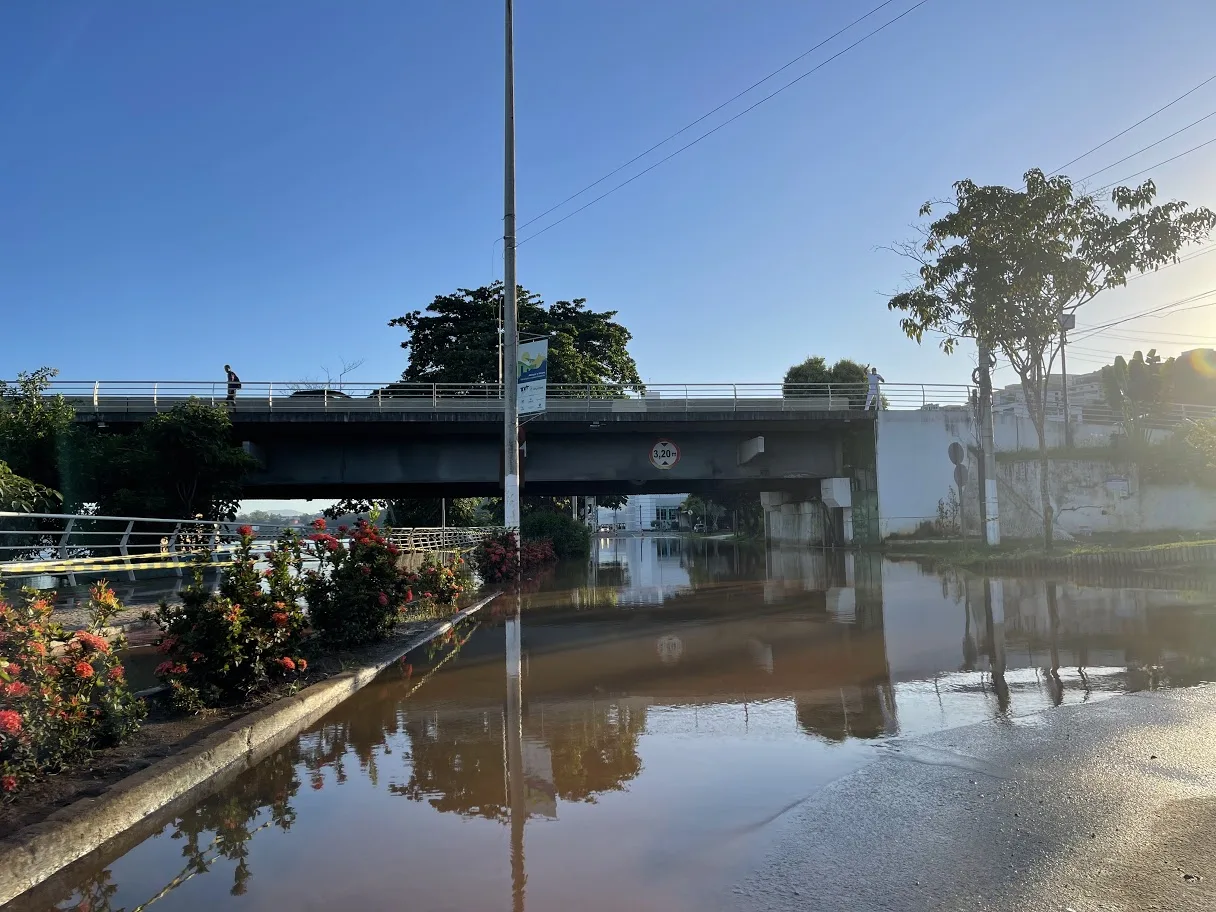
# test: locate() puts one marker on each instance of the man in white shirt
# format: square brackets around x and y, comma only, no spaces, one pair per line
[873,398]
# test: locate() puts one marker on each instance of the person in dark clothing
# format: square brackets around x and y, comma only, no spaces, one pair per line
[234,384]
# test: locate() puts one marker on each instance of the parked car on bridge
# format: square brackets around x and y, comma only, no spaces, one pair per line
[318,394]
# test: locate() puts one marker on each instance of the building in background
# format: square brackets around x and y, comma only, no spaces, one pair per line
[645,513]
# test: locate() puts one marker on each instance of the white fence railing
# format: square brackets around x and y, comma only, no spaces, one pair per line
[68,545]
[139,396]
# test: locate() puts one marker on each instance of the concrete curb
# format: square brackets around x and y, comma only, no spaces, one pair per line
[35,853]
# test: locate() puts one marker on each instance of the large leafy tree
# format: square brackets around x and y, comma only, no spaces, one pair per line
[848,375]
[36,429]
[1135,390]
[181,463]
[455,339]
[413,512]
[1004,265]
[20,495]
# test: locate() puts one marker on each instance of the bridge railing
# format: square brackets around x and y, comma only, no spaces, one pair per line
[81,544]
[140,396]
[68,544]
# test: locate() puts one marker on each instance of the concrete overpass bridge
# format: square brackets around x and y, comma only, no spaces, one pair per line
[410,439]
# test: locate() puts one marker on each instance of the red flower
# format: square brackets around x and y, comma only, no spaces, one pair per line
[196,657]
[287,663]
[83,669]
[365,570]
[409,595]
[268,555]
[301,665]
[382,598]
[15,689]
[268,573]
[318,523]
[10,721]
[93,641]
[13,669]
[117,673]
[245,531]
[332,544]
[8,783]
[163,669]
[393,549]
[279,618]
[427,595]
[342,529]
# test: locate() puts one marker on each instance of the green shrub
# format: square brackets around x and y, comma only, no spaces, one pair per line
[359,592]
[221,648]
[570,538]
[59,705]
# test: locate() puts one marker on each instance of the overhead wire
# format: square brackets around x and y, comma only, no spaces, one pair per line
[707,114]
[1124,132]
[1193,123]
[725,123]
[1172,158]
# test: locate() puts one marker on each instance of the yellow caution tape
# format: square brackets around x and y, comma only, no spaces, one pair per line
[75,567]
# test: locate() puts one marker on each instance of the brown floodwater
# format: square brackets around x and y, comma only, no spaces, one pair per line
[630,738]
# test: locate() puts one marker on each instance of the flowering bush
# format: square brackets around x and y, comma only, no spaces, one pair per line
[501,558]
[62,695]
[220,648]
[359,592]
[436,583]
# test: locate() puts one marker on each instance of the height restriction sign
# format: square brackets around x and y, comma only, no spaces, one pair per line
[664,454]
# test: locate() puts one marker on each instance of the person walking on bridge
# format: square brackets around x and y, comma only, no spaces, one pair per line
[234,384]
[874,397]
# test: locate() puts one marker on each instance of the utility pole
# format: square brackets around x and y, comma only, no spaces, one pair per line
[1067,322]
[987,468]
[510,481]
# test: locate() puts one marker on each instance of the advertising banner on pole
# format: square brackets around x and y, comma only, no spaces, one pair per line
[532,373]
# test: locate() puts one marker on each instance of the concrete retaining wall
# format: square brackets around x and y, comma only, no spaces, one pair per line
[35,853]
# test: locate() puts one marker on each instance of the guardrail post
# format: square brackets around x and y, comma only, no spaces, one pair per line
[434,395]
[215,542]
[63,542]
[270,394]
[379,400]
[923,399]
[325,398]
[172,548]
[155,396]
[686,403]
[734,395]
[122,549]
[96,393]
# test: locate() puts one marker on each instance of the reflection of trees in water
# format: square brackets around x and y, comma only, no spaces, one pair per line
[850,712]
[596,751]
[217,828]
[457,763]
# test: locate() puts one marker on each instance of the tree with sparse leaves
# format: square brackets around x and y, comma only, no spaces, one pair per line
[1003,266]
[455,340]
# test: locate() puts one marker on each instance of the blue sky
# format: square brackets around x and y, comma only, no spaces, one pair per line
[184,184]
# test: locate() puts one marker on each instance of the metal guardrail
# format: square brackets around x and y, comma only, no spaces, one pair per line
[63,544]
[128,396]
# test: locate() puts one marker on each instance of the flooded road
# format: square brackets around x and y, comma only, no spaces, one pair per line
[636,735]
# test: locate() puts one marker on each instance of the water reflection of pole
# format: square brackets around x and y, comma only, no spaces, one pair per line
[515,757]
[994,616]
[1055,685]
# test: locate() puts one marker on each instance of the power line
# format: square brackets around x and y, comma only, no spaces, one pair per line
[1149,146]
[708,114]
[1094,330]
[730,120]
[1194,255]
[1133,126]
[1158,165]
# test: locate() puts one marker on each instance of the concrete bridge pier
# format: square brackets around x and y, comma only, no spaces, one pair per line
[806,519]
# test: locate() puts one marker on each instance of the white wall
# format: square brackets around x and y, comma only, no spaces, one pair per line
[1100,496]
[914,470]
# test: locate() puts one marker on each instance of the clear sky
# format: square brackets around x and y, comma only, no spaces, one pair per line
[189,183]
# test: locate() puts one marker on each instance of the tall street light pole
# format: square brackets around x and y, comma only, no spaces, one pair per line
[509,303]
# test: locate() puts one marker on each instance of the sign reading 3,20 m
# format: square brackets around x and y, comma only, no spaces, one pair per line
[664,454]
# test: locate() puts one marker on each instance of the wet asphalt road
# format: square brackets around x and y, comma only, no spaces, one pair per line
[1103,807]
